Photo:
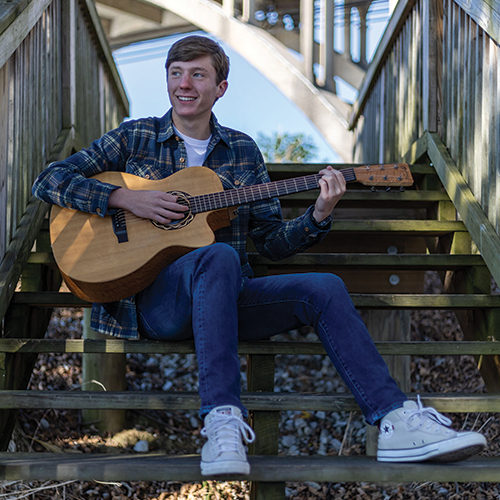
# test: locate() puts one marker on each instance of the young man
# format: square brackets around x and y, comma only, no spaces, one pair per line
[210,294]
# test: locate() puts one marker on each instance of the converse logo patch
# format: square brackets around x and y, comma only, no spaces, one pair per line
[386,429]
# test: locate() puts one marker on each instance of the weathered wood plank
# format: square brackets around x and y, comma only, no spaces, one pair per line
[186,468]
[409,227]
[260,401]
[361,301]
[480,228]
[486,13]
[375,261]
[114,346]
[19,26]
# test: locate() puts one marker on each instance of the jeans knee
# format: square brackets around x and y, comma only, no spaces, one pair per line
[222,259]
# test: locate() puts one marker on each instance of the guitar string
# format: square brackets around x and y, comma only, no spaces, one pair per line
[206,202]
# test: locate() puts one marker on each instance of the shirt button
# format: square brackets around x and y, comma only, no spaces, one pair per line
[147,176]
[306,229]
[177,138]
[69,205]
[98,210]
[182,160]
[237,183]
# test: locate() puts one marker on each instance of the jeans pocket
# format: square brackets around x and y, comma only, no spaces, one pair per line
[144,329]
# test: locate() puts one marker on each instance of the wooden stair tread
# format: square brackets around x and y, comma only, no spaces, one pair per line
[376,261]
[186,468]
[296,169]
[263,401]
[367,260]
[408,227]
[361,301]
[114,346]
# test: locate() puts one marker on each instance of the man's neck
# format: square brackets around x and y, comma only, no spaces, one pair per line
[196,128]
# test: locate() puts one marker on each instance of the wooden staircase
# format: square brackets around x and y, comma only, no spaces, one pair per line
[381,244]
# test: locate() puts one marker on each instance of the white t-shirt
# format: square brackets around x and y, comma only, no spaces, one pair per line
[196,149]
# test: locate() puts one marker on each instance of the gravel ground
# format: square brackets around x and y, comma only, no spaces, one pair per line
[302,433]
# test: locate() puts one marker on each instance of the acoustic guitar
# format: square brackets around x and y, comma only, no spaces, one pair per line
[104,259]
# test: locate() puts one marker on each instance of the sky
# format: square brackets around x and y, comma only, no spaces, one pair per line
[251,104]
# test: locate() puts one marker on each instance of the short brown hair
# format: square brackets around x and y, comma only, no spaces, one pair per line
[194,46]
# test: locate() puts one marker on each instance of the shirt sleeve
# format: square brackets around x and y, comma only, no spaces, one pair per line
[67,183]
[275,238]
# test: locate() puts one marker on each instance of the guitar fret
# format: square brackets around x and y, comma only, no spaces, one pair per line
[249,194]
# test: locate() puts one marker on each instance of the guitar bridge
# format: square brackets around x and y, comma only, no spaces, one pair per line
[119,225]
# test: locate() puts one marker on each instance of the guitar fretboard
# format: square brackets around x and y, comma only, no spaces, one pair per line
[258,192]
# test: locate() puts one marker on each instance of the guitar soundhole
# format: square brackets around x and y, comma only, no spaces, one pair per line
[182,199]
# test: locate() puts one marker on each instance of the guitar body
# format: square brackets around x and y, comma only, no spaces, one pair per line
[98,268]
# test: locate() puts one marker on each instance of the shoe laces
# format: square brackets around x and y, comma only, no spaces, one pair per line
[417,417]
[228,431]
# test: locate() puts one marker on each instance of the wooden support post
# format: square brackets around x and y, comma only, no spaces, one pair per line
[389,325]
[103,372]
[326,53]
[260,371]
[249,9]
[307,37]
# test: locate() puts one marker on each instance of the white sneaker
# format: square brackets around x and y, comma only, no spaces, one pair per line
[414,434]
[224,452]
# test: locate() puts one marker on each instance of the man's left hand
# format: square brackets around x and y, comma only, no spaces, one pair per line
[333,187]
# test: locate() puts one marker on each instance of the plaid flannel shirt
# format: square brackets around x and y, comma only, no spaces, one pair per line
[150,148]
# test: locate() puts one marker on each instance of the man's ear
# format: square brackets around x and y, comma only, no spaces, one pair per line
[222,88]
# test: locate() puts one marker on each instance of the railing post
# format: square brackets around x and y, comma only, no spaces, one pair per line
[347,32]
[307,36]
[249,9]
[228,7]
[326,48]
[432,33]
[68,63]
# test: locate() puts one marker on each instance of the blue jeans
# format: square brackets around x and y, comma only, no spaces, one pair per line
[202,295]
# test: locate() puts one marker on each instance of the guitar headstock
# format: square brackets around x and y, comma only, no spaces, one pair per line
[390,174]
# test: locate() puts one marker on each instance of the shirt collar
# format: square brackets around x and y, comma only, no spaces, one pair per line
[167,129]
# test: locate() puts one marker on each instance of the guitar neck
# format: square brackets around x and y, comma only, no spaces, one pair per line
[258,192]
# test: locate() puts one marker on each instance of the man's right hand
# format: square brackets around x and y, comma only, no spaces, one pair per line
[156,205]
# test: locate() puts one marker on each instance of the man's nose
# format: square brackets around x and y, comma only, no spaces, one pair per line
[185,81]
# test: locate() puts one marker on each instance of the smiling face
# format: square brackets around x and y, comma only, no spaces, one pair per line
[193,90]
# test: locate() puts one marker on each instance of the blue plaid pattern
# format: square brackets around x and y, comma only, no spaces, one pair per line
[150,148]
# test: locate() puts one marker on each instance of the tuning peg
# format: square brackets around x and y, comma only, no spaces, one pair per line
[402,189]
[388,188]
[374,189]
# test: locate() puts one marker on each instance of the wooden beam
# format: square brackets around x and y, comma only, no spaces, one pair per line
[261,401]
[137,8]
[119,346]
[16,25]
[186,468]
[486,13]
[478,225]
[361,301]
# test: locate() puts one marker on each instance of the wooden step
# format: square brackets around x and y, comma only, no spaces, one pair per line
[361,301]
[405,227]
[114,346]
[186,468]
[357,198]
[373,261]
[288,170]
[435,262]
[263,401]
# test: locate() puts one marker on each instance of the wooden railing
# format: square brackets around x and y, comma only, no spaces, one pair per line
[59,89]
[433,88]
